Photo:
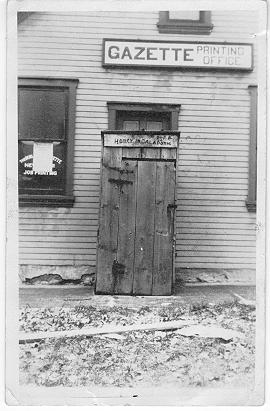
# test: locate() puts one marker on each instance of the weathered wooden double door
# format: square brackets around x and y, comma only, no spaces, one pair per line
[136,225]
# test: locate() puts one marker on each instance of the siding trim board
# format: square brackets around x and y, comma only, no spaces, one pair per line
[252,174]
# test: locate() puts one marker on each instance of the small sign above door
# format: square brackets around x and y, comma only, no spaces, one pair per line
[143,53]
[154,140]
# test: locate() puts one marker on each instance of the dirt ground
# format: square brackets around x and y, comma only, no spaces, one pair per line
[140,358]
[69,296]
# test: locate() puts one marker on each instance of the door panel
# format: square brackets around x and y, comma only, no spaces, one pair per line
[135,241]
[145,224]
[149,152]
[108,221]
[164,229]
[126,229]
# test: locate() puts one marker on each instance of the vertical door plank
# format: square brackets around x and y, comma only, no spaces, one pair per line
[168,154]
[164,218]
[145,220]
[108,220]
[130,152]
[151,153]
[126,232]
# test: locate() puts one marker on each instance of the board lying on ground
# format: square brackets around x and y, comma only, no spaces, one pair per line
[37,336]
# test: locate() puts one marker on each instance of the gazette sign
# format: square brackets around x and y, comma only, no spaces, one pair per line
[236,56]
[140,140]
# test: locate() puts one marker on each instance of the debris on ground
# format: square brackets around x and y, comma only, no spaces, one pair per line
[143,357]
[209,332]
[244,301]
[113,336]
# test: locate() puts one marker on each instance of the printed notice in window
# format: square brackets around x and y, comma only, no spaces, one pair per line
[42,158]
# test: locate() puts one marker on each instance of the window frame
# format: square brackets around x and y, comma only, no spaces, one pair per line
[55,200]
[185,26]
[252,171]
[114,107]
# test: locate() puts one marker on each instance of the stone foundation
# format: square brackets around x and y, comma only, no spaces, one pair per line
[183,275]
[67,272]
[220,276]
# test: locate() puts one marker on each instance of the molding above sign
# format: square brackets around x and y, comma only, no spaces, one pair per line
[145,139]
[177,54]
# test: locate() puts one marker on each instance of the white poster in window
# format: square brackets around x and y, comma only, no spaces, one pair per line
[42,158]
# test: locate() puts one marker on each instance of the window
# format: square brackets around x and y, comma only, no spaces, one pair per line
[155,117]
[185,22]
[46,139]
[141,120]
[252,177]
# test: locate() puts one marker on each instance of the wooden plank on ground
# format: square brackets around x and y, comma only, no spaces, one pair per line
[41,335]
[126,232]
[108,220]
[164,219]
[145,216]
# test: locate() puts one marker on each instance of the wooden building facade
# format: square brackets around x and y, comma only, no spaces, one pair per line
[63,72]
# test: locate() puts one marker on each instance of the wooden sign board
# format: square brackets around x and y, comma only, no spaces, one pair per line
[177,54]
[141,140]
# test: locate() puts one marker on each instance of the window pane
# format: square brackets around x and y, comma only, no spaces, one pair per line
[131,125]
[154,125]
[42,114]
[185,15]
[38,183]
[142,120]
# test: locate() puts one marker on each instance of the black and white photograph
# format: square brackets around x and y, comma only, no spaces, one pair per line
[136,202]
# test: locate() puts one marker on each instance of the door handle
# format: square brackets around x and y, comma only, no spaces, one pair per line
[174,206]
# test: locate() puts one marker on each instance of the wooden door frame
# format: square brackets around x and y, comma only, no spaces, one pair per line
[114,107]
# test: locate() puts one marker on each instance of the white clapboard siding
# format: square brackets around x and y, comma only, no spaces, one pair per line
[213,227]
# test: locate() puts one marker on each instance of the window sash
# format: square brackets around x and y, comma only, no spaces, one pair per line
[48,113]
[172,111]
[63,197]
[190,17]
[185,26]
[142,119]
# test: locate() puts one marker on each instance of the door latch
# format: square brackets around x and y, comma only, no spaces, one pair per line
[174,206]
